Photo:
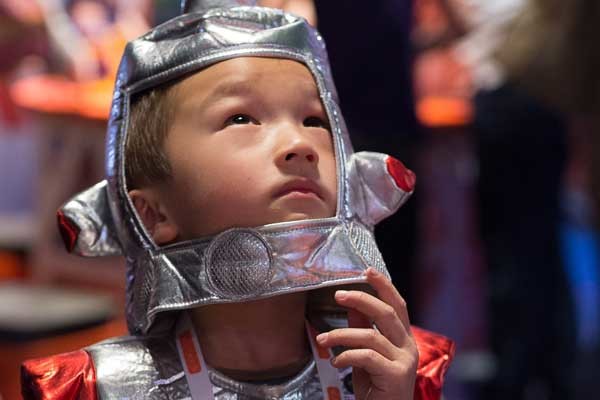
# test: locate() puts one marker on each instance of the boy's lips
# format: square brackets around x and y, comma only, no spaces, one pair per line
[306,187]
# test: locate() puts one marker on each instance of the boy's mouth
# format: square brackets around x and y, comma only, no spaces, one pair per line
[299,187]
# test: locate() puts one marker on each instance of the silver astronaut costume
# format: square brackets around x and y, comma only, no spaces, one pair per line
[238,264]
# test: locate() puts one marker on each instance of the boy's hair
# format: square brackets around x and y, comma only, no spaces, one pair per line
[151,116]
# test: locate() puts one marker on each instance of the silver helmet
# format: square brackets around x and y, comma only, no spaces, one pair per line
[239,264]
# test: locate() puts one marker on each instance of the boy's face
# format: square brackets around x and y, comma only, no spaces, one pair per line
[250,145]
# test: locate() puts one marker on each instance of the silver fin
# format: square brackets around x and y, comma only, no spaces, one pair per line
[384,184]
[86,224]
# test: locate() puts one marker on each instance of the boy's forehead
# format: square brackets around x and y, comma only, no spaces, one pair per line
[241,75]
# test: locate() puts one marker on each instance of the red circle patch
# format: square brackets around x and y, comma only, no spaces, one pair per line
[404,177]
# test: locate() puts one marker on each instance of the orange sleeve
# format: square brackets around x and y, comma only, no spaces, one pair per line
[435,354]
[68,376]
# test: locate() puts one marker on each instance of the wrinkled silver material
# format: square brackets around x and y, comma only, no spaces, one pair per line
[268,260]
[154,372]
[90,211]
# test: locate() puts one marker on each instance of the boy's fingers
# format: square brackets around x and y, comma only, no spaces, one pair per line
[385,316]
[359,338]
[371,361]
[388,293]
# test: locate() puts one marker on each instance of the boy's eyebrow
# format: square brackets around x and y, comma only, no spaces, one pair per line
[229,88]
[241,87]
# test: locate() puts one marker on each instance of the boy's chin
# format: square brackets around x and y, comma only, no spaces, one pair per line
[302,216]
[300,211]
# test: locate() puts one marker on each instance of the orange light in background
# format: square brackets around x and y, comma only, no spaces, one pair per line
[11,266]
[435,111]
[55,94]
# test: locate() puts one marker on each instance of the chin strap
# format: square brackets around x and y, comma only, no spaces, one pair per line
[196,370]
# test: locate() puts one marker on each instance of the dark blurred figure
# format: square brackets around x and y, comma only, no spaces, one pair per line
[552,53]
[371,58]
[521,145]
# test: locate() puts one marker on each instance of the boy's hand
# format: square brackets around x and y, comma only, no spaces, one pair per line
[384,360]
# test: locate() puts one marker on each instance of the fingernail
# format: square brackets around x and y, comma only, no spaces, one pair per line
[333,360]
[372,271]
[322,337]
[341,294]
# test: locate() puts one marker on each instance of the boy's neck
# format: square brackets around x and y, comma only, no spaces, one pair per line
[254,341]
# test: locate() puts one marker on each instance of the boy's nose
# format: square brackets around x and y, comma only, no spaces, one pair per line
[297,150]
[307,154]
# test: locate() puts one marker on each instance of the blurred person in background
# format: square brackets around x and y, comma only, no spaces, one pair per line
[554,56]
[21,35]
[88,35]
[66,103]
[521,145]
[377,91]
[557,59]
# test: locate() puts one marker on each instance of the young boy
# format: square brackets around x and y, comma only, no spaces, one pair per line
[234,193]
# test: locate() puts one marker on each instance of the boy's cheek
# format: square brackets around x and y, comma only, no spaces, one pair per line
[200,212]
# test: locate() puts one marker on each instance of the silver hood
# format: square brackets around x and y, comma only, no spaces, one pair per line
[238,264]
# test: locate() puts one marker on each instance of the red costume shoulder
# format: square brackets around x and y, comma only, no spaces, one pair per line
[435,354]
[68,376]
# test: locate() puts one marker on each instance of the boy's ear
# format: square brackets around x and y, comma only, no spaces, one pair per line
[154,216]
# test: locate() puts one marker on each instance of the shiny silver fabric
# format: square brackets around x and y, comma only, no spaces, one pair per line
[319,254]
[154,372]
[90,212]
[269,260]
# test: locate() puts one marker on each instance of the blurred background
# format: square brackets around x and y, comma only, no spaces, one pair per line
[494,104]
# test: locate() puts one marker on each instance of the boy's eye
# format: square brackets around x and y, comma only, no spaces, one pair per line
[316,122]
[240,119]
